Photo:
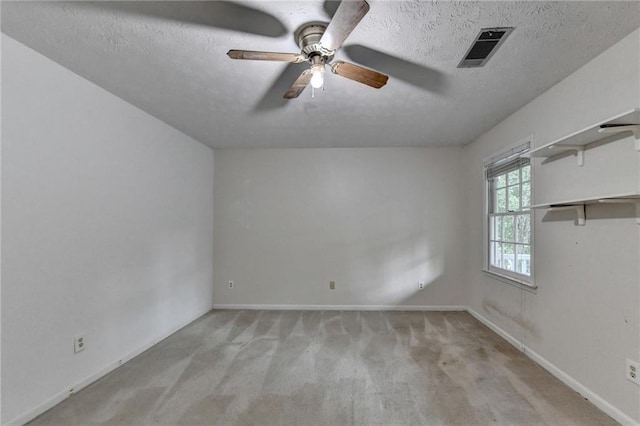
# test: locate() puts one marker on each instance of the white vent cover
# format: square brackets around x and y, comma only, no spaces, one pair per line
[484,46]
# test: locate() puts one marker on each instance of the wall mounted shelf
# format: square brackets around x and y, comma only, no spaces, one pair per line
[579,204]
[576,142]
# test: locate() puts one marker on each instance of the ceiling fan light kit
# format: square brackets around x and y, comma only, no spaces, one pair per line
[318,43]
[317,76]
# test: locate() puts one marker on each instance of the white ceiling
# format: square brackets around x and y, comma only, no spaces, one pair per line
[169,59]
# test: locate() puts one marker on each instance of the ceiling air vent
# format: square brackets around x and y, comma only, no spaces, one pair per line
[484,46]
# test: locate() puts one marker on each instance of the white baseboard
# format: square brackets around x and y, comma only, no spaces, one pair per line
[58,398]
[588,394]
[496,329]
[339,307]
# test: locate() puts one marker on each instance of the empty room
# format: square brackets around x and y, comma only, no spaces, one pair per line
[266,212]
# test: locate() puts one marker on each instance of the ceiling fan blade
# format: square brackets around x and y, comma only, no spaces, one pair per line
[299,85]
[266,56]
[361,75]
[272,98]
[413,73]
[346,18]
[330,7]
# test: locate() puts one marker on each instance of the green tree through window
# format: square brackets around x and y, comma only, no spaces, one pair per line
[509,217]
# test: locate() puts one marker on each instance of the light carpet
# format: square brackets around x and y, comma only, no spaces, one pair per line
[329,368]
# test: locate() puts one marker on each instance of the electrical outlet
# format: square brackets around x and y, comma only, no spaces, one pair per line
[230,284]
[79,343]
[420,285]
[332,285]
[632,372]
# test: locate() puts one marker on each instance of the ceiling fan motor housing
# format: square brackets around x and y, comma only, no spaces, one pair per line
[308,38]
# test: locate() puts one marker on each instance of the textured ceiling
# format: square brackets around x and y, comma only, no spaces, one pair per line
[169,59]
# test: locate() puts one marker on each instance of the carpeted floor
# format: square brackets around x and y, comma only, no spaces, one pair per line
[329,368]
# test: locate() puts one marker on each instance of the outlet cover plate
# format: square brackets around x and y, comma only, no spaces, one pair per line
[79,343]
[632,372]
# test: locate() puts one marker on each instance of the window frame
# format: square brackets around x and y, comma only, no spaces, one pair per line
[510,277]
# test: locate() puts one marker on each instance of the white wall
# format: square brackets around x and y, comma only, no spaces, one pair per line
[374,220]
[584,318]
[107,229]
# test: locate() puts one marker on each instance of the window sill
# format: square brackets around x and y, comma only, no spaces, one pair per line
[530,287]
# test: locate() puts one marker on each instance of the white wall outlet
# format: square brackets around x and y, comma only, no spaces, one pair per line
[632,372]
[420,285]
[79,343]
[230,284]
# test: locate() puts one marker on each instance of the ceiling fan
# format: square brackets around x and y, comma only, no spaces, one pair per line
[318,44]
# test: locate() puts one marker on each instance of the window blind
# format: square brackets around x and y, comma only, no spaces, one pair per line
[507,161]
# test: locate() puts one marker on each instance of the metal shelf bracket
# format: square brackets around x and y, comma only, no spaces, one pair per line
[633,128]
[579,150]
[579,208]
[624,201]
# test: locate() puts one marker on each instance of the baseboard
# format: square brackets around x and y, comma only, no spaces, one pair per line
[586,393]
[340,307]
[496,329]
[58,398]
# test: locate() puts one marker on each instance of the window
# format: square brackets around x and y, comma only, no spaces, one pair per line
[508,214]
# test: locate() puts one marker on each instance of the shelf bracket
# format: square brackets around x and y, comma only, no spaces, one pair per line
[579,208]
[633,128]
[579,150]
[624,201]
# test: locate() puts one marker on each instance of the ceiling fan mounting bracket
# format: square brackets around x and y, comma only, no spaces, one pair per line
[308,38]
